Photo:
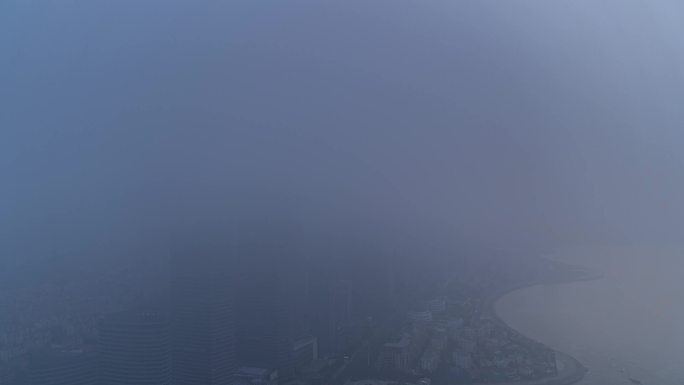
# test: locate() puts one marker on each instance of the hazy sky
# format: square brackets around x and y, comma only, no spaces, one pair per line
[526,123]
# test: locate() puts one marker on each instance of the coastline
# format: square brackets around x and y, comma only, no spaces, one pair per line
[570,370]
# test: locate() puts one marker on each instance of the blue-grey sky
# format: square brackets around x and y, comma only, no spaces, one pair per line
[523,123]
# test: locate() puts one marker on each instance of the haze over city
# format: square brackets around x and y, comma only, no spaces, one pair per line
[343,169]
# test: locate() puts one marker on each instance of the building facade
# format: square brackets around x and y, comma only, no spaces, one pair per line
[134,348]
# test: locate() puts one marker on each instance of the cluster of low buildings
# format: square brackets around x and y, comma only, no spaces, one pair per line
[449,340]
[63,314]
[488,351]
[420,345]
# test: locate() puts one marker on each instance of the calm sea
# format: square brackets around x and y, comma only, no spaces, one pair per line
[628,325]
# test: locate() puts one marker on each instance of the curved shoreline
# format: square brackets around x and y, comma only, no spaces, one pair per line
[570,370]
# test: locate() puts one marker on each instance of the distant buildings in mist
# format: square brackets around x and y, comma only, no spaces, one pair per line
[62,367]
[134,347]
[203,318]
[222,320]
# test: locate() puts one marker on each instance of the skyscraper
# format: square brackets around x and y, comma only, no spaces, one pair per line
[61,367]
[266,326]
[333,303]
[273,311]
[203,331]
[134,349]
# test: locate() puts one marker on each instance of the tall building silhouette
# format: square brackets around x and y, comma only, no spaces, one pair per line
[134,348]
[273,307]
[203,318]
[266,334]
[332,300]
[61,367]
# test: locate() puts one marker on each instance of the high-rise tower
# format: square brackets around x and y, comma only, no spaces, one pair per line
[134,349]
[203,319]
[273,312]
[61,367]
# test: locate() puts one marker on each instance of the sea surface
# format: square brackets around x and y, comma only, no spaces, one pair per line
[627,325]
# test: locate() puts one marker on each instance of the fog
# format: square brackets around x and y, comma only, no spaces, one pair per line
[518,122]
[128,127]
